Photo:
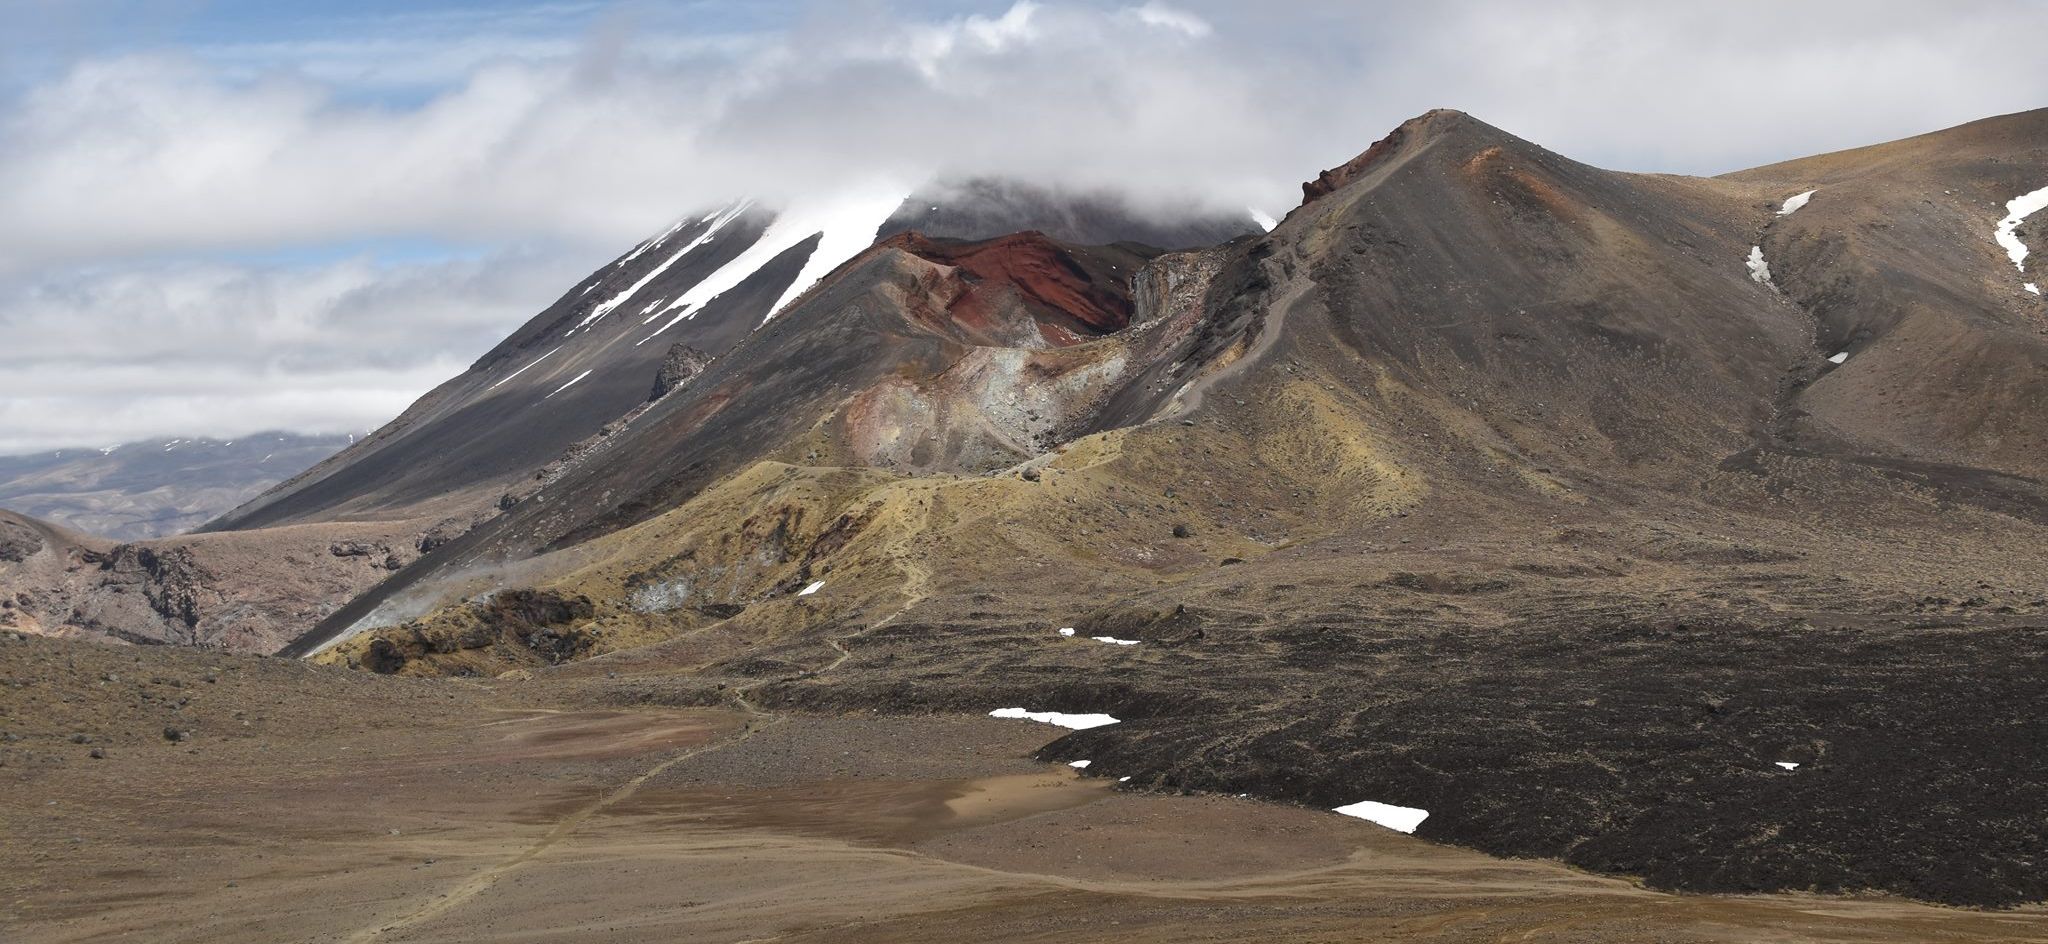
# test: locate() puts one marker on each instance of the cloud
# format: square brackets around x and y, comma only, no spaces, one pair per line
[596,139]
[930,48]
[1166,17]
[171,152]
[99,357]
[558,134]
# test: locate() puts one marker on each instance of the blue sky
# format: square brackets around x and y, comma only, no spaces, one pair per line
[218,216]
[247,36]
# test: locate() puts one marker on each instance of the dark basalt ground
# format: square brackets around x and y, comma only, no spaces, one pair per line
[1641,745]
[1649,748]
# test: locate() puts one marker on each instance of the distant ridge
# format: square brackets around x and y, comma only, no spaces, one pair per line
[157,487]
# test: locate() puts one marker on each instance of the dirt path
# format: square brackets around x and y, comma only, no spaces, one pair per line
[561,831]
[916,588]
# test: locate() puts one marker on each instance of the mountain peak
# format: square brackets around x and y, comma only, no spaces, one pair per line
[1426,128]
[1335,178]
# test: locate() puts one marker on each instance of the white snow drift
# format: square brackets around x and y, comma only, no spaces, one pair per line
[1759,270]
[2016,211]
[1795,201]
[571,383]
[522,370]
[1398,818]
[1060,719]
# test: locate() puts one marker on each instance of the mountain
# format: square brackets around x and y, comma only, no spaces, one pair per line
[548,396]
[699,287]
[155,488]
[1683,528]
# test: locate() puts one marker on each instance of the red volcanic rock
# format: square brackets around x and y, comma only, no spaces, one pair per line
[1071,297]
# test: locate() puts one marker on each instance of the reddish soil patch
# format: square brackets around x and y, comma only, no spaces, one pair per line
[1070,298]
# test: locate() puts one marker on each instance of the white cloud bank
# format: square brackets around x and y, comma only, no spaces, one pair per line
[128,173]
[104,356]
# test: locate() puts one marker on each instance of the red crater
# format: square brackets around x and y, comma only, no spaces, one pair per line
[1073,293]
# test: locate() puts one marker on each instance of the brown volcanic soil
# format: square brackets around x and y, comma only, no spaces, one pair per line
[357,808]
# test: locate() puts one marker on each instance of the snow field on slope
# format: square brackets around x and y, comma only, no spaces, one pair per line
[522,370]
[609,305]
[847,225]
[571,383]
[2016,211]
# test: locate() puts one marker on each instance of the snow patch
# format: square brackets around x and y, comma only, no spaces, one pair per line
[847,231]
[814,587]
[1076,722]
[1788,765]
[1067,631]
[656,241]
[2016,210]
[522,370]
[1113,641]
[1759,270]
[2031,287]
[848,226]
[609,305]
[1839,357]
[571,383]
[1265,220]
[1794,202]
[1080,764]
[1402,819]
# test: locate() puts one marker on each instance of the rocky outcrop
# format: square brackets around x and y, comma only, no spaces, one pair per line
[1336,178]
[18,541]
[681,366]
[511,627]
[247,593]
